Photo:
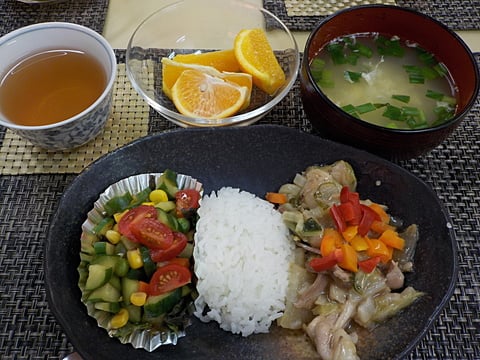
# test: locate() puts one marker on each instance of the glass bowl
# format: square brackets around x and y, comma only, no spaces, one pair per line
[192,26]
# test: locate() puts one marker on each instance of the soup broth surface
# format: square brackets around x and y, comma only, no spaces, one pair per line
[403,87]
[50,87]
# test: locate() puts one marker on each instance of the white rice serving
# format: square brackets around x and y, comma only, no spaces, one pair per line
[242,255]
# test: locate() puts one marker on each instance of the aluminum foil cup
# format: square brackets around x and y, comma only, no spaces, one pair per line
[143,336]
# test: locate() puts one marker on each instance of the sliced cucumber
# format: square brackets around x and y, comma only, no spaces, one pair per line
[187,252]
[167,219]
[116,282]
[121,267]
[140,197]
[168,183]
[104,248]
[103,226]
[86,257]
[137,274]
[161,304]
[105,293]
[83,274]
[186,290]
[86,243]
[129,245]
[134,313]
[98,275]
[111,307]
[106,260]
[166,206]
[183,225]
[148,265]
[118,204]
[129,286]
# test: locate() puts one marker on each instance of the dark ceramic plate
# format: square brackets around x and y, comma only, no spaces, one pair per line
[257,159]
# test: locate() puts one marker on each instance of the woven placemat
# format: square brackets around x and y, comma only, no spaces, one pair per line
[128,121]
[90,13]
[304,15]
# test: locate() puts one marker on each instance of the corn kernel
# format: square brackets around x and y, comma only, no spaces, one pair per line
[118,216]
[138,298]
[119,320]
[134,259]
[113,236]
[158,195]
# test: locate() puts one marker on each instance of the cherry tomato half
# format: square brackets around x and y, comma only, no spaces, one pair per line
[152,233]
[179,243]
[187,201]
[168,278]
[133,216]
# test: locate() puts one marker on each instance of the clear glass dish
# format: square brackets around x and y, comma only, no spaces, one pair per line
[190,26]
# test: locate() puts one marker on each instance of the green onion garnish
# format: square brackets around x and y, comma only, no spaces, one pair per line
[317,64]
[361,49]
[435,95]
[352,59]
[364,108]
[392,112]
[415,74]
[426,57]
[352,76]
[403,98]
[412,116]
[336,51]
[350,109]
[389,47]
[429,73]
[323,78]
[443,113]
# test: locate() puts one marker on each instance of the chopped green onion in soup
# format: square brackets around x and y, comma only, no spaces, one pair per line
[386,80]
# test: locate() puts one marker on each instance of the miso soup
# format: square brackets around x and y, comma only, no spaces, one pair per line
[386,81]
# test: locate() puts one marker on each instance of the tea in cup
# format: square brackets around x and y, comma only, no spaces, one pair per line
[56,84]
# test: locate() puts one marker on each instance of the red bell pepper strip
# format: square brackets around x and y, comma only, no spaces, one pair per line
[326,262]
[368,217]
[349,196]
[368,265]
[338,218]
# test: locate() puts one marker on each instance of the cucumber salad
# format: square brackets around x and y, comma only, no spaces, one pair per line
[135,269]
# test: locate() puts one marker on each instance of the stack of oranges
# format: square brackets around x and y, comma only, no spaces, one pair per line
[218,84]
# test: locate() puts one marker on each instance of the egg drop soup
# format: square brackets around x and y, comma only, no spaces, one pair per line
[386,81]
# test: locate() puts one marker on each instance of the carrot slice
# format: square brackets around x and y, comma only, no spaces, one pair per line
[276,198]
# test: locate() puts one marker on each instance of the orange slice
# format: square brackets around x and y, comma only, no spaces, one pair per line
[256,57]
[171,71]
[197,94]
[222,60]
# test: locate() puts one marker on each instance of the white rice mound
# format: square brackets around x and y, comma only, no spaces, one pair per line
[242,254]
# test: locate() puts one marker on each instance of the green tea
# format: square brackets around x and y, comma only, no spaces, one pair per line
[385,81]
[50,87]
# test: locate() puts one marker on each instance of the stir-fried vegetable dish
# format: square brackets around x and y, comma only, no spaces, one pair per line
[350,261]
[136,262]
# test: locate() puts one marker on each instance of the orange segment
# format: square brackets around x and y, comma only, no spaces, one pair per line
[198,94]
[256,57]
[222,60]
[171,71]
